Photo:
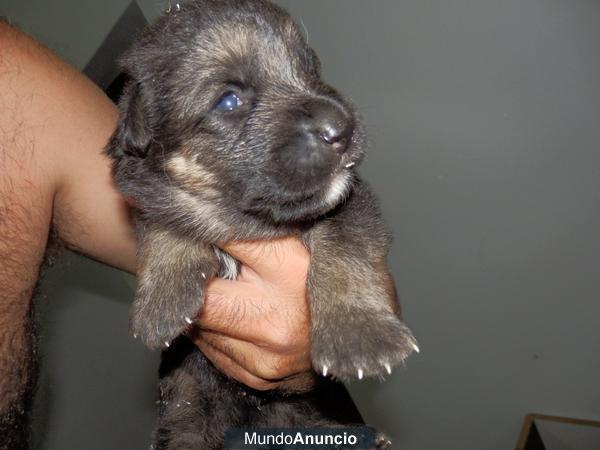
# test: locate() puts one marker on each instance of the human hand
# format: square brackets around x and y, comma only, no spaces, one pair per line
[256,328]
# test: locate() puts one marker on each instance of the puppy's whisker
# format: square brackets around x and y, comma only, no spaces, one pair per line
[306,50]
[305,30]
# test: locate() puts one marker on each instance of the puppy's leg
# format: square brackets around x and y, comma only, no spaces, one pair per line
[356,329]
[172,274]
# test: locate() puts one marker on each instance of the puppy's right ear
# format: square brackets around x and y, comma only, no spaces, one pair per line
[133,134]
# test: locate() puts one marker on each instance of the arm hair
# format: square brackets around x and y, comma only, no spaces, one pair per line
[54,124]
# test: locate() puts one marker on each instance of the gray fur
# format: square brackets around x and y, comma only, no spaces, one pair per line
[200,177]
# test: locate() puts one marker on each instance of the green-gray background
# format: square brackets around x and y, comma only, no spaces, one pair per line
[484,119]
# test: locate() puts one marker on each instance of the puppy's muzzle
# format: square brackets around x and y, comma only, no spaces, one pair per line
[326,127]
[320,134]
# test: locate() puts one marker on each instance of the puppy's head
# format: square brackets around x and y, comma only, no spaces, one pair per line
[226,99]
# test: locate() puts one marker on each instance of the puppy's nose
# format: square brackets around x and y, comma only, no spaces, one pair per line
[332,125]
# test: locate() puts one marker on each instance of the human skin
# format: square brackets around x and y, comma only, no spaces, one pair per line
[54,124]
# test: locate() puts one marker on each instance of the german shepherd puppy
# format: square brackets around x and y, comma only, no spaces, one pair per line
[227,132]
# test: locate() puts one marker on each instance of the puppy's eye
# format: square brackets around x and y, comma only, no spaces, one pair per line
[229,102]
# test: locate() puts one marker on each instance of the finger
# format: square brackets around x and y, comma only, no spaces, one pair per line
[234,308]
[242,310]
[231,368]
[269,258]
[257,361]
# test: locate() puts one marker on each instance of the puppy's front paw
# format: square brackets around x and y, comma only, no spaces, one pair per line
[361,345]
[167,304]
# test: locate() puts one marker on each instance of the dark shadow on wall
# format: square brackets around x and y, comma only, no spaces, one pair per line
[103,68]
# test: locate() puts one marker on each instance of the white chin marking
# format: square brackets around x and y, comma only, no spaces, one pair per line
[338,189]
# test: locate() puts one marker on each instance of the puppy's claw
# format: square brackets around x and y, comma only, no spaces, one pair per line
[325,370]
[360,374]
[167,344]
[416,348]
[203,275]
[350,165]
[388,368]
[188,320]
[135,336]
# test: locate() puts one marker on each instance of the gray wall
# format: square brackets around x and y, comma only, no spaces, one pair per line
[484,119]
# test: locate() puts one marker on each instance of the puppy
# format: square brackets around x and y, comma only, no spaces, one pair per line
[227,132]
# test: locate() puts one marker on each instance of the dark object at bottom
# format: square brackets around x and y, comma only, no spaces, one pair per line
[198,404]
[534,440]
[541,431]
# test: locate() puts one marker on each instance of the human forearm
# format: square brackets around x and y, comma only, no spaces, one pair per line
[23,234]
[27,186]
[25,210]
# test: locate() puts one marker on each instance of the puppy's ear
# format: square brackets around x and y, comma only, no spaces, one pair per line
[133,134]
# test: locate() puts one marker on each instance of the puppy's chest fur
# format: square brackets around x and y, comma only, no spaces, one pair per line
[207,220]
[229,267]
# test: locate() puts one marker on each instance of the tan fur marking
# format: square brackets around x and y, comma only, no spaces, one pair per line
[189,174]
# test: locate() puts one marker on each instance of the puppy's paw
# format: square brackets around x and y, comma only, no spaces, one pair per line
[361,345]
[382,442]
[167,305]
